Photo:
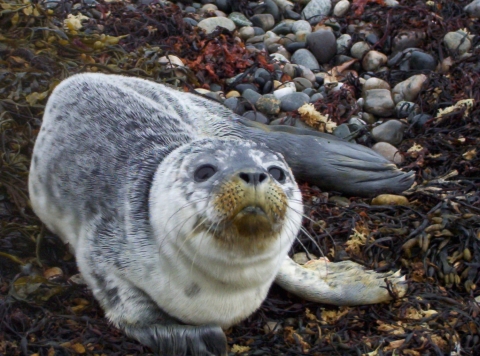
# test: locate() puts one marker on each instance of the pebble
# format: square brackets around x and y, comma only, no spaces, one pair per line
[211,23]
[251,96]
[301,25]
[240,19]
[283,28]
[316,10]
[413,59]
[341,8]
[388,151]
[305,58]
[422,61]
[390,199]
[473,9]
[279,93]
[268,104]
[315,97]
[344,42]
[390,131]
[359,49]
[323,45]
[302,84]
[244,86]
[290,14]
[256,116]
[373,60]
[246,32]
[375,83]
[171,61]
[379,102]
[272,327]
[409,89]
[457,42]
[264,21]
[292,102]
[232,94]
[271,8]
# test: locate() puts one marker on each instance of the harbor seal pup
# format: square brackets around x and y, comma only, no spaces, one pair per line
[180,218]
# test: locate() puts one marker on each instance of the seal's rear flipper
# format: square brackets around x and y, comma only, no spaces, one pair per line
[332,163]
[181,340]
[342,283]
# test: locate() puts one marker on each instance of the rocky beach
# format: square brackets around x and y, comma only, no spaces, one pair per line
[401,77]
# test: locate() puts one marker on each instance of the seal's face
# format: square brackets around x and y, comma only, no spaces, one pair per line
[238,192]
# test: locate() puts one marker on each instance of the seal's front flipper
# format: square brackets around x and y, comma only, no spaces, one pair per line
[332,163]
[180,340]
[342,283]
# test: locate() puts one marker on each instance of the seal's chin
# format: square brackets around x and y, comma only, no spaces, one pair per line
[253,222]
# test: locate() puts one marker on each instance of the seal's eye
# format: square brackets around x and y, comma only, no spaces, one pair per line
[278,174]
[204,173]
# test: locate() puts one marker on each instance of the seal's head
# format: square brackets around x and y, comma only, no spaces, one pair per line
[237,195]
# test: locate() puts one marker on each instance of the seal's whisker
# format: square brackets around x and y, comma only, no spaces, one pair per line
[184,207]
[185,221]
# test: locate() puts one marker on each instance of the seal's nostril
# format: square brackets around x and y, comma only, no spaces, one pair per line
[261,177]
[253,178]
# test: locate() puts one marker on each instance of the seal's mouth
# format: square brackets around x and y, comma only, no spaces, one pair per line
[253,210]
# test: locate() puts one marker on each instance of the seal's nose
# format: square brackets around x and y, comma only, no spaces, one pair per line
[253,178]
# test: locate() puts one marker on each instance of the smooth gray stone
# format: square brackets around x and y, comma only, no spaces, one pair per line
[301,25]
[290,14]
[264,21]
[302,84]
[305,58]
[316,97]
[272,9]
[379,102]
[251,96]
[323,45]
[316,10]
[422,61]
[283,28]
[292,102]
[294,46]
[244,86]
[390,131]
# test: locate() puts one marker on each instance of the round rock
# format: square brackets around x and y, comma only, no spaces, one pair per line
[373,60]
[268,104]
[390,131]
[264,21]
[343,43]
[409,89]
[305,58]
[388,151]
[211,23]
[341,8]
[301,25]
[292,102]
[359,49]
[316,10]
[379,102]
[323,45]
